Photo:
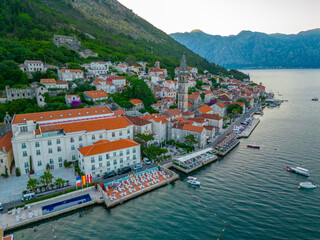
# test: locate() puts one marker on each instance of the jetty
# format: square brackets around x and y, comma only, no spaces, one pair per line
[249,129]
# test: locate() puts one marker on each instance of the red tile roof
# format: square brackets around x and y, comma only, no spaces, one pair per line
[103,146]
[135,101]
[62,83]
[90,126]
[71,70]
[189,127]
[138,121]
[205,109]
[96,94]
[5,142]
[221,105]
[187,113]
[173,112]
[48,80]
[62,114]
[119,112]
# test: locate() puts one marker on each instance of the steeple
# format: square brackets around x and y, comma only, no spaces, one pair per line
[183,65]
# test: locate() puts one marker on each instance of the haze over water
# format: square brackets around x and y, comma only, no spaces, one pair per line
[268,204]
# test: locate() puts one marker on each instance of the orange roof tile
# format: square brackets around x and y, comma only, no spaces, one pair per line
[62,114]
[205,109]
[135,101]
[90,126]
[189,104]
[189,127]
[119,112]
[221,105]
[174,112]
[96,94]
[5,142]
[187,113]
[71,70]
[62,83]
[74,95]
[47,80]
[105,146]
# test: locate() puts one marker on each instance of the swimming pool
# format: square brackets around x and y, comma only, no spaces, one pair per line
[58,206]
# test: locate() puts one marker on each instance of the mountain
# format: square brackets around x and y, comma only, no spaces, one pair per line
[255,49]
[104,26]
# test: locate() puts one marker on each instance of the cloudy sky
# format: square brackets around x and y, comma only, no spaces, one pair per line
[227,17]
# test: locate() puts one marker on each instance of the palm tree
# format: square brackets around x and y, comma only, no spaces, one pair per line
[32,184]
[230,117]
[47,178]
[59,182]
[234,112]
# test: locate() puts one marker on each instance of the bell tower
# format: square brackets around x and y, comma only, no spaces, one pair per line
[183,85]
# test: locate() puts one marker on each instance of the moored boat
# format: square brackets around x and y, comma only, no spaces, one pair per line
[301,171]
[309,185]
[315,99]
[253,146]
[194,182]
[192,178]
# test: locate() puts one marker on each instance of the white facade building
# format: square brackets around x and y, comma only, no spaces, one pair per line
[70,74]
[52,137]
[105,156]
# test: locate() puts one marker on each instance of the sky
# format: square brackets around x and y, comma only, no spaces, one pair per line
[229,17]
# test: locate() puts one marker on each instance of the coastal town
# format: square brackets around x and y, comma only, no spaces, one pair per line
[109,145]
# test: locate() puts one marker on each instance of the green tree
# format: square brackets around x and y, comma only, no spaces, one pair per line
[131,60]
[47,178]
[234,106]
[60,182]
[225,119]
[32,184]
[173,106]
[234,112]
[154,153]
[230,116]
[202,95]
[242,99]
[190,140]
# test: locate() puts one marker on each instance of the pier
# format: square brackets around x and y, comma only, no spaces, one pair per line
[247,132]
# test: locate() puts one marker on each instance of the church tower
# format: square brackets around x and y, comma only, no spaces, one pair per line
[183,85]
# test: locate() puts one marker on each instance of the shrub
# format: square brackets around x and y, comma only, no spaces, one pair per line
[18,173]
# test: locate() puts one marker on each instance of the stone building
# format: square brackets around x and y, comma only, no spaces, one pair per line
[70,42]
[183,86]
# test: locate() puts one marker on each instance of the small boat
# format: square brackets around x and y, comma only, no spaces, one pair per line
[253,146]
[309,185]
[315,99]
[301,171]
[288,169]
[194,182]
[259,113]
[192,178]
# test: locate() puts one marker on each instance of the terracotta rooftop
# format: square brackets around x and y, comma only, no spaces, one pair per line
[138,121]
[104,146]
[90,125]
[71,70]
[221,105]
[48,80]
[96,94]
[5,142]
[62,114]
[173,112]
[205,109]
[62,83]
[187,113]
[119,112]
[135,101]
[189,127]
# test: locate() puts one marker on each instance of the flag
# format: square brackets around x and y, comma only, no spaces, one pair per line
[89,178]
[78,181]
[83,180]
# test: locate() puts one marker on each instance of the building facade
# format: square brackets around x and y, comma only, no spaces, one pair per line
[183,86]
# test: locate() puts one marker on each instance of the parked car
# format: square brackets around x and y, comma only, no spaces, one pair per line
[147,161]
[27,196]
[108,175]
[124,170]
[137,167]
[1,208]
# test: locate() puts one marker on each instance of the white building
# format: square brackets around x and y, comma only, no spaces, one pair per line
[72,98]
[49,82]
[95,95]
[98,68]
[105,156]
[70,74]
[104,85]
[52,137]
[159,126]
[32,66]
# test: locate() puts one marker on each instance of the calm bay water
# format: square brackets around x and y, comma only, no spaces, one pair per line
[268,204]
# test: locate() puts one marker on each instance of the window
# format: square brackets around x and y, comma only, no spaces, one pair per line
[39,163]
[121,160]
[50,150]
[128,151]
[23,145]
[51,161]
[134,150]
[37,144]
[108,163]
[114,154]
[93,137]
[100,158]
[73,157]
[24,129]
[120,133]
[100,164]
[80,139]
[71,140]
[1,160]
[72,147]
[114,162]
[134,157]
[100,136]
[113,134]
[80,145]
[59,149]
[93,167]
[121,153]
[60,165]
[24,153]
[27,170]
[128,131]
[92,160]
[60,159]
[49,143]
[26,164]
[128,158]
[107,156]
[38,152]
[58,141]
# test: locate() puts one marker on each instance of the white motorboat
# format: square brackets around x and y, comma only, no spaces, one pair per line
[309,185]
[194,182]
[301,171]
[192,178]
